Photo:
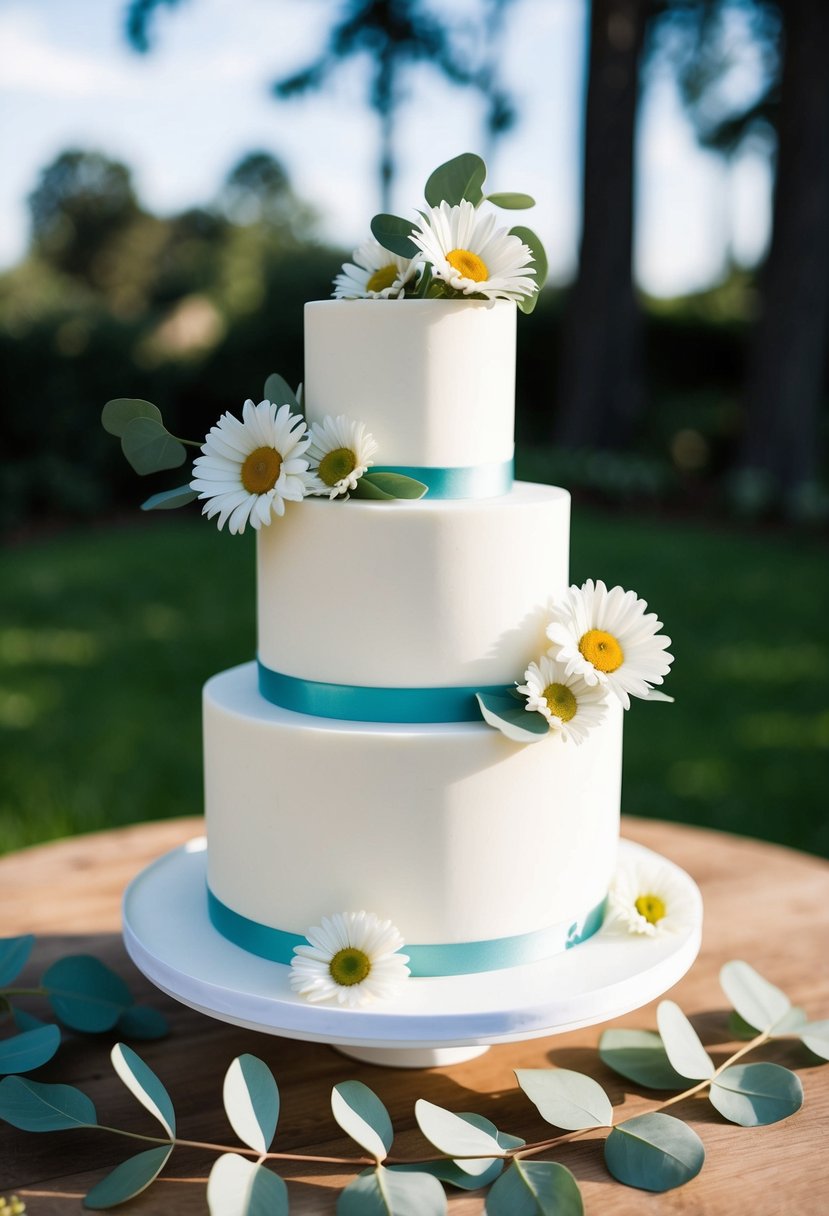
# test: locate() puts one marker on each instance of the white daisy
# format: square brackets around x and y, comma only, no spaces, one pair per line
[340,453]
[570,705]
[647,898]
[352,959]
[375,274]
[250,469]
[607,638]
[472,256]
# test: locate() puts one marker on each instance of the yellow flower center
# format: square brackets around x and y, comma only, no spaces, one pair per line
[560,701]
[651,907]
[261,470]
[349,966]
[602,650]
[336,465]
[382,278]
[468,264]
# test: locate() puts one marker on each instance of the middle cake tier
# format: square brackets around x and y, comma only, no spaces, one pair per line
[411,594]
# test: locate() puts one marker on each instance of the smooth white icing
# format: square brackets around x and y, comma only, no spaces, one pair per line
[450,830]
[412,594]
[433,380]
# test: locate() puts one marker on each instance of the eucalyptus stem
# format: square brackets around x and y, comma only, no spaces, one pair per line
[190,443]
[7,992]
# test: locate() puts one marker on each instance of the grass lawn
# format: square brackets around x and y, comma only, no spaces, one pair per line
[106,636]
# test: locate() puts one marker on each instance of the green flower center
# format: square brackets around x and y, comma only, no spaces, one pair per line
[602,650]
[349,966]
[382,278]
[261,469]
[468,264]
[336,465]
[560,701]
[651,907]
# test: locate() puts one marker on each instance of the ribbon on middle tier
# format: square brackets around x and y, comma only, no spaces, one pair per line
[461,481]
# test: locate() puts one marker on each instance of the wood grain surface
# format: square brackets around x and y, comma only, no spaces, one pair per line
[764,904]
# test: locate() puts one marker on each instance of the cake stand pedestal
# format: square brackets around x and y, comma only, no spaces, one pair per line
[430,1022]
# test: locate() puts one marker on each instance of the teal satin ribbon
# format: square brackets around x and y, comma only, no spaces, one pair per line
[451,958]
[463,481]
[358,703]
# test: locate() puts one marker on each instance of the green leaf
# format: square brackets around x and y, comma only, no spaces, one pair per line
[14,954]
[279,392]
[396,485]
[535,1188]
[144,1085]
[528,303]
[128,1179]
[654,1152]
[816,1037]
[790,1023]
[682,1045]
[367,489]
[511,201]
[382,1192]
[451,1171]
[24,1020]
[35,1107]
[512,718]
[85,993]
[394,234]
[251,1099]
[756,1000]
[27,1051]
[740,1028]
[142,1022]
[566,1099]
[756,1094]
[170,500]
[455,180]
[119,413]
[458,1137]
[237,1187]
[640,1056]
[363,1117]
[149,446]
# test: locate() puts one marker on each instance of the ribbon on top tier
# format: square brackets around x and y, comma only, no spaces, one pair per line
[462,481]
[358,703]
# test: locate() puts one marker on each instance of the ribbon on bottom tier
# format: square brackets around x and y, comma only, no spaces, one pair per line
[449,958]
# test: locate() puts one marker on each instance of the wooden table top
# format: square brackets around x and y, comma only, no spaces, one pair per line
[764,904]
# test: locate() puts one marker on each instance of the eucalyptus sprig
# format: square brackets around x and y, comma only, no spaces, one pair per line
[653,1151]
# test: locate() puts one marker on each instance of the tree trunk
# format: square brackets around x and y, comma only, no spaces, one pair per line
[600,385]
[788,361]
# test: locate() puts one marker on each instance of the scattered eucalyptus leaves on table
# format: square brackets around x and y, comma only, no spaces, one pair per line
[653,1151]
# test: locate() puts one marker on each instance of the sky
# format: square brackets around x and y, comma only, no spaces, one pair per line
[184,114]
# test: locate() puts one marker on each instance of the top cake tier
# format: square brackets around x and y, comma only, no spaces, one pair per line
[433,381]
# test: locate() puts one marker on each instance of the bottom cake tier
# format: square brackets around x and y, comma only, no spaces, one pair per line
[483,853]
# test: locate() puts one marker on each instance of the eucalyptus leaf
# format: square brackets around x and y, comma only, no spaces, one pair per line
[238,1187]
[251,1099]
[512,718]
[142,1022]
[455,180]
[396,485]
[566,1099]
[279,392]
[14,954]
[791,1023]
[394,234]
[740,1028]
[452,1174]
[85,993]
[150,448]
[640,1056]
[682,1044]
[128,1179]
[511,200]
[757,1001]
[654,1152]
[24,1020]
[535,1188]
[35,1107]
[119,413]
[170,500]
[457,1137]
[816,1037]
[144,1085]
[27,1051]
[756,1094]
[363,1117]
[367,489]
[383,1192]
[528,303]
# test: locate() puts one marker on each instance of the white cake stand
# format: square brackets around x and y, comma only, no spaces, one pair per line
[446,1020]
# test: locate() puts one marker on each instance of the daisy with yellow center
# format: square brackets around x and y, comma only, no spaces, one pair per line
[472,256]
[248,470]
[571,706]
[607,638]
[648,898]
[375,274]
[352,958]
[340,453]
